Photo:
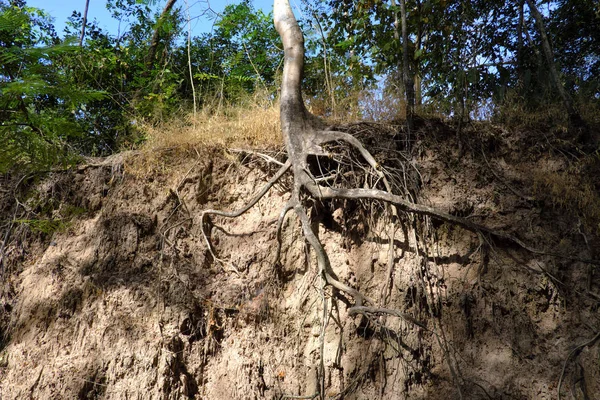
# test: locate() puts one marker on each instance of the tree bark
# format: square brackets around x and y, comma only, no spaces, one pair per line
[408,79]
[85,14]
[297,124]
[156,35]
[549,55]
[520,46]
[417,74]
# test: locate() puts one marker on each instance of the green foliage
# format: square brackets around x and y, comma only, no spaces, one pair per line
[59,101]
[467,54]
[38,101]
[575,28]
[44,226]
[119,66]
[239,56]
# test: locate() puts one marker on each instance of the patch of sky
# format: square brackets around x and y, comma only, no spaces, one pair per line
[202,13]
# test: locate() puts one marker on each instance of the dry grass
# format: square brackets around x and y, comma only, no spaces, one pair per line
[573,191]
[515,114]
[253,125]
[552,117]
[214,128]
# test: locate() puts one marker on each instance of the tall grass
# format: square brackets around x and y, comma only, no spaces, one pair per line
[246,124]
[514,112]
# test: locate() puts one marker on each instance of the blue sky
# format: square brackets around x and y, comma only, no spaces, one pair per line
[60,10]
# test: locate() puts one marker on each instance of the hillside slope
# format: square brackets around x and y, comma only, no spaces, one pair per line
[110,292]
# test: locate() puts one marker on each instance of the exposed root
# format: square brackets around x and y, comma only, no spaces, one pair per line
[385,290]
[573,353]
[288,207]
[420,209]
[265,157]
[204,216]
[323,262]
[304,136]
[386,311]
[305,182]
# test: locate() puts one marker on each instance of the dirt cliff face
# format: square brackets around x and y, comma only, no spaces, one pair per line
[114,294]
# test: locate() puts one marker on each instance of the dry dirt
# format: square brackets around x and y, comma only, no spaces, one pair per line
[120,299]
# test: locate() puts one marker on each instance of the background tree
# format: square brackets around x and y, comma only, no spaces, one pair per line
[549,55]
[467,56]
[464,59]
[84,22]
[238,57]
[39,103]
[406,69]
[158,29]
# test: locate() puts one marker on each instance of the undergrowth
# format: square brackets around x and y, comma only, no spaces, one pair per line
[215,128]
[551,117]
[255,125]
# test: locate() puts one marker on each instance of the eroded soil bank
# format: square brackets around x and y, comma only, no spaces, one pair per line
[109,290]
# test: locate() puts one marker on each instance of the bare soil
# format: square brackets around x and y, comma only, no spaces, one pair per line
[114,294]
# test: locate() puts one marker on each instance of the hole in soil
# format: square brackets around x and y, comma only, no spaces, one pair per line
[93,388]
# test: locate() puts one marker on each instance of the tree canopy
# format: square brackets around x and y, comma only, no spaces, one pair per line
[464,59]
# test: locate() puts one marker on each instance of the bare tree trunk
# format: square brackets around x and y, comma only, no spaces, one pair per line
[189,55]
[418,92]
[156,35]
[303,135]
[417,75]
[400,78]
[416,60]
[549,55]
[408,79]
[520,46]
[84,23]
[296,121]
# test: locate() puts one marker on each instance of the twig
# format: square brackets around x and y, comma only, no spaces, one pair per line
[261,155]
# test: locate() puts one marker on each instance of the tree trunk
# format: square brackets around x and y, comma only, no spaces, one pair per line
[85,14]
[418,92]
[549,55]
[303,135]
[406,72]
[521,80]
[417,71]
[296,122]
[156,35]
